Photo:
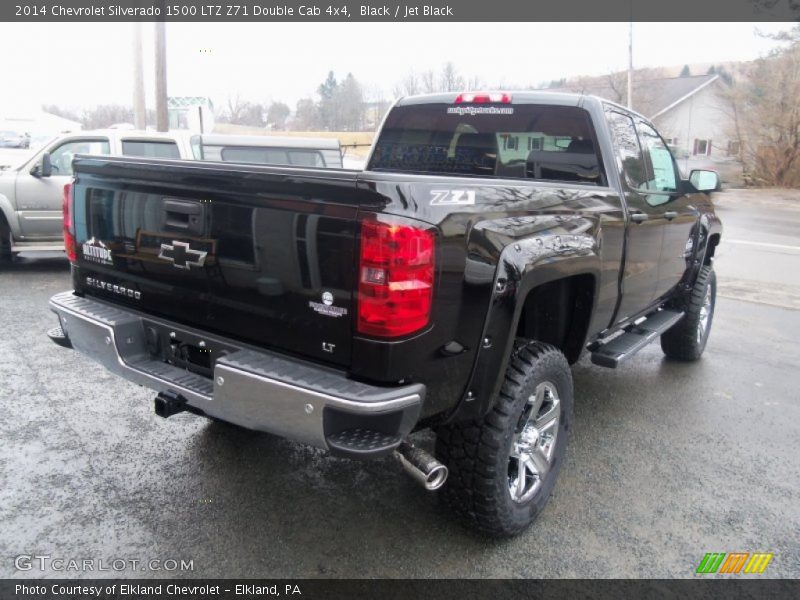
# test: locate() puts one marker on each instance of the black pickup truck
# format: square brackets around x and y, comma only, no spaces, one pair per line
[492,238]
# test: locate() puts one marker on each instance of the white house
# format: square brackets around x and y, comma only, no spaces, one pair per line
[692,115]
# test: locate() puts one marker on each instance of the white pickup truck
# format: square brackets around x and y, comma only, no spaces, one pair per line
[31,193]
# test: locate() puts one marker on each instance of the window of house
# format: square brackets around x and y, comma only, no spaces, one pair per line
[510,142]
[534,143]
[702,147]
[734,148]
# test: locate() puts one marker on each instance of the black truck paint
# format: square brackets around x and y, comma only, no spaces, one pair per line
[566,263]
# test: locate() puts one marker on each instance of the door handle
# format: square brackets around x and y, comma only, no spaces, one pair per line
[670,214]
[187,215]
[639,217]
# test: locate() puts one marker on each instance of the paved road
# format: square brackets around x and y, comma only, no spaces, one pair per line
[667,461]
[762,246]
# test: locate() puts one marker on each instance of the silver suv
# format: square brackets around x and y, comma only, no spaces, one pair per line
[31,194]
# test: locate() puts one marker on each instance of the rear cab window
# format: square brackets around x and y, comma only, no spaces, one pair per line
[518,141]
[150,148]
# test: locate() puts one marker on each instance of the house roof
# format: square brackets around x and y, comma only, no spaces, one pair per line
[675,90]
[662,94]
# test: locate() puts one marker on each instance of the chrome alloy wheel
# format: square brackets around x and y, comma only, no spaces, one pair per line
[705,315]
[534,442]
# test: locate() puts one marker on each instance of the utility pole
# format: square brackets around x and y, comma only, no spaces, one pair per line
[630,61]
[139,109]
[162,117]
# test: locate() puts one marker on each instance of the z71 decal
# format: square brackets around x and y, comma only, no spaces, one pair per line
[452,197]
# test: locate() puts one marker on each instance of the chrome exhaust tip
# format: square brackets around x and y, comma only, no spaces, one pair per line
[421,466]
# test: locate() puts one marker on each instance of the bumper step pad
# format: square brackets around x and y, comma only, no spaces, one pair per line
[57,335]
[363,440]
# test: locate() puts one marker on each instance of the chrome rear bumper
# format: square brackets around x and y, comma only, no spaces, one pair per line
[250,387]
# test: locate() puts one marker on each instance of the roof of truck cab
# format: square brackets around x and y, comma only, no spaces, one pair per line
[270,141]
[517,97]
[130,134]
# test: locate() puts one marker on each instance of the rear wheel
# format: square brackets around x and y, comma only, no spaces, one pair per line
[503,467]
[687,339]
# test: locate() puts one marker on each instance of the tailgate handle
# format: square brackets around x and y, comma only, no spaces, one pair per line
[187,216]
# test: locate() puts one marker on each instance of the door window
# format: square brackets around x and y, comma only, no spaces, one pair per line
[658,159]
[61,157]
[625,139]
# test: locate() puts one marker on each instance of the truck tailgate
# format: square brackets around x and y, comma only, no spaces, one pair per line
[262,254]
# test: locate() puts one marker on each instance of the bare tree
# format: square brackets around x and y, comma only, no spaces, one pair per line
[306,116]
[375,106]
[97,117]
[765,106]
[618,84]
[476,83]
[409,86]
[277,113]
[234,108]
[349,100]
[428,82]
[450,80]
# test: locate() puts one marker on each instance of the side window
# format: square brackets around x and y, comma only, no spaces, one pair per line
[196,142]
[626,141]
[659,160]
[150,149]
[255,155]
[61,156]
[306,158]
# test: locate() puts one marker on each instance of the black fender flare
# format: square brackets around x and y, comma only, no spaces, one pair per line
[708,226]
[522,266]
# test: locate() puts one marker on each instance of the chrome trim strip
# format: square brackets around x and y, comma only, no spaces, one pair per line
[362,407]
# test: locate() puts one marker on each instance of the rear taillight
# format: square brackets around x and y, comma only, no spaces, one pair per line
[395,285]
[69,228]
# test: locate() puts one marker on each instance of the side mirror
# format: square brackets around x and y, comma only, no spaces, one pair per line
[705,181]
[44,168]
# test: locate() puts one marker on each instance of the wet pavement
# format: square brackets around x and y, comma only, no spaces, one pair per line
[667,461]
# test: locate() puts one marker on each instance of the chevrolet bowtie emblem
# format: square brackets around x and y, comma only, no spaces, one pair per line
[181,255]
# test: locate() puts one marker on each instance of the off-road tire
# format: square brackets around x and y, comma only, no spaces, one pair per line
[684,340]
[478,453]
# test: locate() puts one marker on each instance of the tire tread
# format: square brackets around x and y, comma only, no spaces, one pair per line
[471,491]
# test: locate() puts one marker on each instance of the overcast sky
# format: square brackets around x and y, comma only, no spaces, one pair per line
[90,63]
